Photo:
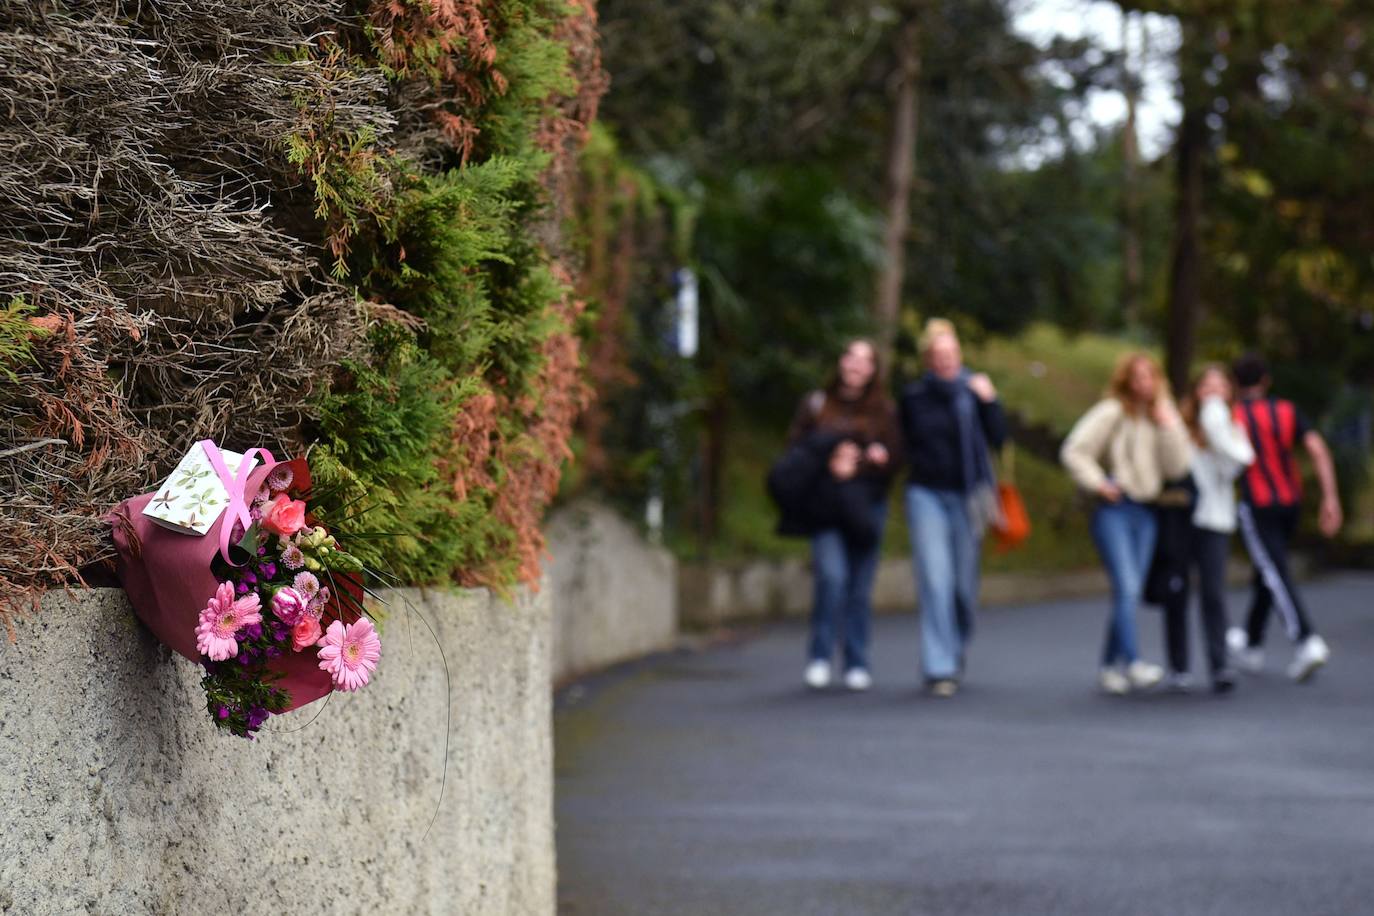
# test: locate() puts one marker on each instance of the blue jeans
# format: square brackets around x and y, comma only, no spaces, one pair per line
[1124,533]
[946,555]
[844,591]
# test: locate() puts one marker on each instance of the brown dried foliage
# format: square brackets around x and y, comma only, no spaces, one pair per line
[147,206]
[531,461]
[445,53]
[563,132]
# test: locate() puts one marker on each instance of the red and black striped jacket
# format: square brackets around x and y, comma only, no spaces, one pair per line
[1275,427]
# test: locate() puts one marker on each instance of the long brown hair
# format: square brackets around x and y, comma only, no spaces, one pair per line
[1120,385]
[873,407]
[1191,408]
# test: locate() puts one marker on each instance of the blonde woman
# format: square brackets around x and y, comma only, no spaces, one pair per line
[951,421]
[1121,452]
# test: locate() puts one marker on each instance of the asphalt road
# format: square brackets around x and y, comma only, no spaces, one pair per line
[712,783]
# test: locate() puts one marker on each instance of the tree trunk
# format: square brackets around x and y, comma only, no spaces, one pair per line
[1132,270]
[901,170]
[713,469]
[1185,282]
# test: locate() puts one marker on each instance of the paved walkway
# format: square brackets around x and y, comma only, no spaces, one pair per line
[711,783]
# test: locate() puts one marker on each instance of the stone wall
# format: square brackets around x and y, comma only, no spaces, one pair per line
[614,595]
[724,593]
[117,795]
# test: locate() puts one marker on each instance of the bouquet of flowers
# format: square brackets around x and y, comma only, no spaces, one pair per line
[266,600]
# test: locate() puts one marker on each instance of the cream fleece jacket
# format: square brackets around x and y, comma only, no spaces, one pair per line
[1138,456]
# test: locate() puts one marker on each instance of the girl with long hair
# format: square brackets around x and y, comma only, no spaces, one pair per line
[1222,451]
[853,421]
[1120,453]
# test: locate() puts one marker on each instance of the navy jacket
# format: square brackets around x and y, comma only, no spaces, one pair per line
[809,500]
[931,433]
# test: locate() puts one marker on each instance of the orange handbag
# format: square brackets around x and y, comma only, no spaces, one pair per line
[1015,526]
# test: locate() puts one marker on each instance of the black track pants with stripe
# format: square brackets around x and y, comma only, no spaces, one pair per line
[1267,532]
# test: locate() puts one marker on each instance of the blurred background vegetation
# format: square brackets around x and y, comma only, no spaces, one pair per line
[763,146]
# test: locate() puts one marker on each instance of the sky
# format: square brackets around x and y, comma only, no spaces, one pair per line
[1158,112]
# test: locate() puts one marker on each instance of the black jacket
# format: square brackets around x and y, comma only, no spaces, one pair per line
[931,432]
[1167,581]
[810,500]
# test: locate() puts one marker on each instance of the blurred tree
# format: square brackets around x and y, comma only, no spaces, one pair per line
[1276,203]
[793,128]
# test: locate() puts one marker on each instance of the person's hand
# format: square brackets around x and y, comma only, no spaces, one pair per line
[1329,517]
[1164,413]
[844,460]
[876,454]
[1109,492]
[982,387]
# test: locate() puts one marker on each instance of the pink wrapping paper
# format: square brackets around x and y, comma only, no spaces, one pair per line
[167,577]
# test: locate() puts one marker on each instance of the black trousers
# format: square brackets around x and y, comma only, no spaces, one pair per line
[1208,554]
[1267,532]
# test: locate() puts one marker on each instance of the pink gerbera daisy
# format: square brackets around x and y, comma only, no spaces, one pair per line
[223,617]
[349,653]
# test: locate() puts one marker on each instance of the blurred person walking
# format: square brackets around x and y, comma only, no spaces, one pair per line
[1120,453]
[1270,507]
[951,422]
[848,432]
[1221,453]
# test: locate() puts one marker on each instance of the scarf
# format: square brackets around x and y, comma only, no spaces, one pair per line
[983,503]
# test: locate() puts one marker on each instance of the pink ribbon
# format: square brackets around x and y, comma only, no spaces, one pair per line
[237,510]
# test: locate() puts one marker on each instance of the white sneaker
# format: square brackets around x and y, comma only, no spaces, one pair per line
[818,675]
[1114,682]
[1251,661]
[1144,675]
[1243,656]
[1312,653]
[1237,640]
[858,679]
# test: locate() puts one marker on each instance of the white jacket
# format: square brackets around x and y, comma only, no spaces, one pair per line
[1226,452]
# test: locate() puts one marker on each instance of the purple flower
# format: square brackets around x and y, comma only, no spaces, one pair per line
[242,588]
[262,551]
[254,631]
[223,712]
[279,478]
[243,658]
[306,584]
[250,577]
[268,570]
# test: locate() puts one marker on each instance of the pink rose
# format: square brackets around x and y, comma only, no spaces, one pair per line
[288,604]
[305,633]
[284,515]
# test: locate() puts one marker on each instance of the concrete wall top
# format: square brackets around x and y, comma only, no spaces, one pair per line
[117,795]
